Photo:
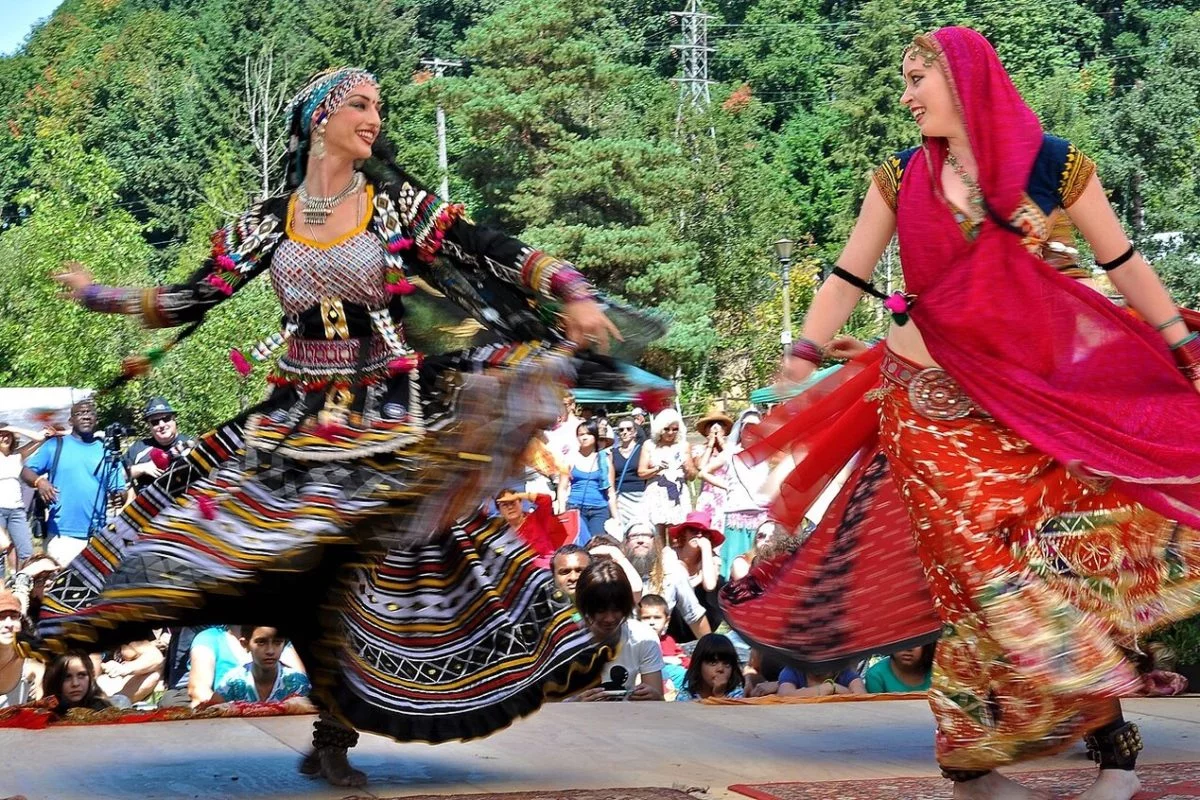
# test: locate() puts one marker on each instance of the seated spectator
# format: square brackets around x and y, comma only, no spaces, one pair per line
[665,577]
[568,564]
[132,671]
[605,546]
[762,535]
[214,653]
[264,678]
[652,610]
[20,678]
[795,683]
[903,671]
[714,671]
[538,527]
[695,542]
[605,601]
[70,680]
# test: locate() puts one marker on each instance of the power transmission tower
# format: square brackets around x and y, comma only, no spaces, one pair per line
[693,52]
[439,68]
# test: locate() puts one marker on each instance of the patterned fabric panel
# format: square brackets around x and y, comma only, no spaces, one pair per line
[304,275]
[239,252]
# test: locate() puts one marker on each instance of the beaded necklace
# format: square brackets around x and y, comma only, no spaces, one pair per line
[974,193]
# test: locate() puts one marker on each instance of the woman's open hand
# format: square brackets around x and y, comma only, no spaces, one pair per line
[74,280]
[585,325]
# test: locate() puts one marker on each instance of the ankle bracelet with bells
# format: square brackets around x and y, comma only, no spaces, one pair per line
[317,209]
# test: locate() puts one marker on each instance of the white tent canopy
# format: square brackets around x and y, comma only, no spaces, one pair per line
[32,408]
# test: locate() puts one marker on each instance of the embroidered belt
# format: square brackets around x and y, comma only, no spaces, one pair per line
[335,353]
[933,393]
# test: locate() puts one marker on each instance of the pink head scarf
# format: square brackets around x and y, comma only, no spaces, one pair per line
[1080,378]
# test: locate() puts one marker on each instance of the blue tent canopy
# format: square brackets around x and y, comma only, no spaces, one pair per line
[640,381]
[780,392]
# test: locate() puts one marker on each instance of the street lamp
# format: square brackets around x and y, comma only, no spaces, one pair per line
[783,252]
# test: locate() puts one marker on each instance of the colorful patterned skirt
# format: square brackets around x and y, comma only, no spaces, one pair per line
[1043,583]
[416,615]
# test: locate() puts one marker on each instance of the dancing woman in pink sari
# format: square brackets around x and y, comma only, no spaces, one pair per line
[1027,427]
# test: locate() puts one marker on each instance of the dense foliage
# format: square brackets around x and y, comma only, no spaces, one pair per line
[126,140]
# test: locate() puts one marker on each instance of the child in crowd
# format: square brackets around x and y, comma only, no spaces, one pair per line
[714,671]
[904,671]
[71,679]
[264,678]
[795,683]
[653,611]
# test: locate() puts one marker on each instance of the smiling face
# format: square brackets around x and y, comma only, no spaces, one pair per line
[164,428]
[928,96]
[353,128]
[10,626]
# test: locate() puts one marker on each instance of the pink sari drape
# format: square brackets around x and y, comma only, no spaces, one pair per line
[1083,380]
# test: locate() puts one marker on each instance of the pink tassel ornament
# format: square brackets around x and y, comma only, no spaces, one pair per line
[159,457]
[240,363]
[207,506]
[400,286]
[220,284]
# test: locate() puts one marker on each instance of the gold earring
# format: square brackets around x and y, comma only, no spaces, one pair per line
[319,140]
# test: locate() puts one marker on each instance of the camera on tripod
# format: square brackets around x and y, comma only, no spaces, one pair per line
[113,434]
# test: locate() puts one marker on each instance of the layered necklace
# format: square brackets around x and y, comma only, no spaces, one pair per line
[974,194]
[317,209]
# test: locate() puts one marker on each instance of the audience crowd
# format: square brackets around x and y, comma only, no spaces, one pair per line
[639,523]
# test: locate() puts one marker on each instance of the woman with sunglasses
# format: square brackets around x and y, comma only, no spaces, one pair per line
[667,466]
[630,486]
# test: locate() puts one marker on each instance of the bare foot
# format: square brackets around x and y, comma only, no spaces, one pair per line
[335,768]
[1113,784]
[995,786]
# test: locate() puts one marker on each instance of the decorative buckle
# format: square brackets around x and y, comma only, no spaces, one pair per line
[935,395]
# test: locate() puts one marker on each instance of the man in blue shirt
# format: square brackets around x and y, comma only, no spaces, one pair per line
[76,489]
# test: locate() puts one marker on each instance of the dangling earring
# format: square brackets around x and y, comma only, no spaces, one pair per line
[319,140]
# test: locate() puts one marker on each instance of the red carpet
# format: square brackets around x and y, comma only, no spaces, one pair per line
[1159,782]
[555,794]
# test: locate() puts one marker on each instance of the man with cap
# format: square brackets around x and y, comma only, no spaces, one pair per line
[641,423]
[145,464]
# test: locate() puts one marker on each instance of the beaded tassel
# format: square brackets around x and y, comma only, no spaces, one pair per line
[267,347]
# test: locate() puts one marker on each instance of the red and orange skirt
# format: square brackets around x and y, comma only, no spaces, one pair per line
[1042,583]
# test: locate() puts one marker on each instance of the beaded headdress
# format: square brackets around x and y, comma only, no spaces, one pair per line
[320,99]
[924,47]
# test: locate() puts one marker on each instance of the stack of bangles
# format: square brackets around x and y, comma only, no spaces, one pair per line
[808,350]
[1187,355]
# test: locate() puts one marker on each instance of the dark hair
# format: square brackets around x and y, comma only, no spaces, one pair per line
[567,550]
[712,646]
[927,651]
[601,540]
[56,676]
[653,601]
[592,426]
[247,631]
[602,587]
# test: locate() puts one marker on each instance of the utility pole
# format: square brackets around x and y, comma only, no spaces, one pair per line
[693,52]
[439,68]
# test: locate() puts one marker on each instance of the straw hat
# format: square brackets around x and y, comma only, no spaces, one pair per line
[714,417]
